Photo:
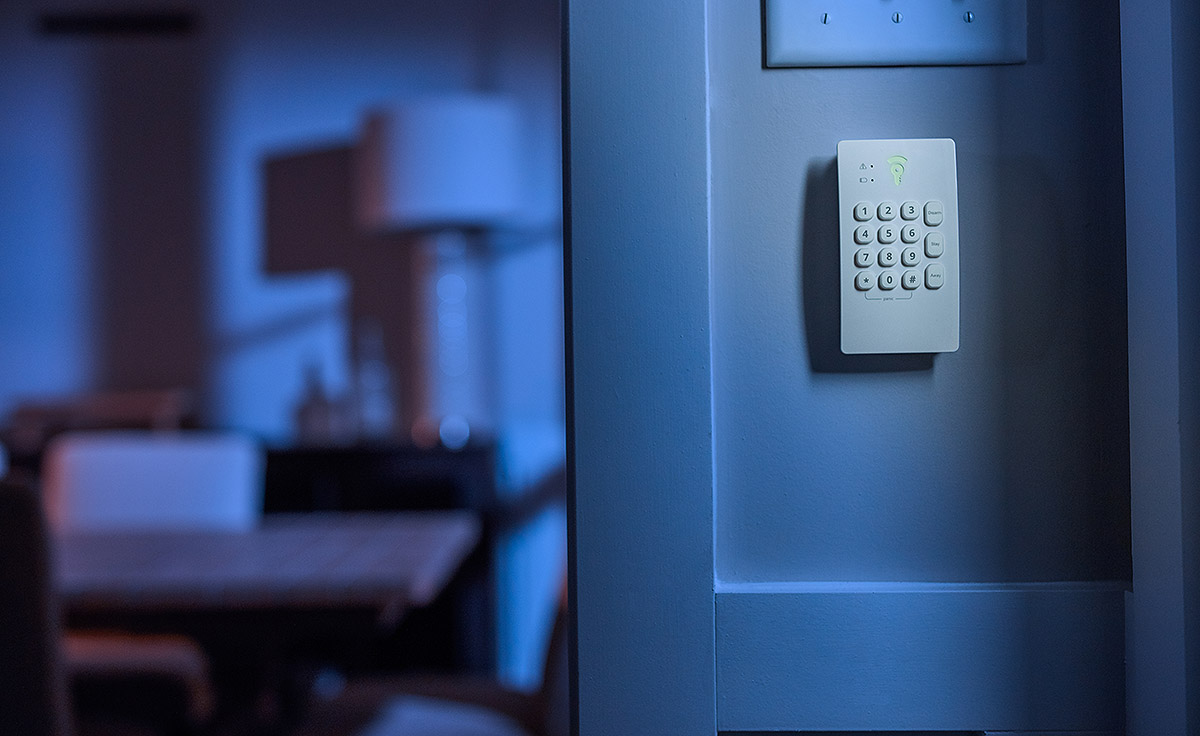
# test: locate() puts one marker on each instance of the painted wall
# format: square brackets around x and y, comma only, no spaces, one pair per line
[45,281]
[133,217]
[1186,38]
[1005,461]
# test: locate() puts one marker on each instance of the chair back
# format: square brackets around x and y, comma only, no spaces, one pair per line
[32,690]
[153,480]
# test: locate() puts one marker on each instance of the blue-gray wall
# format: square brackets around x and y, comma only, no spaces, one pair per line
[946,576]
[1186,47]
[1005,461]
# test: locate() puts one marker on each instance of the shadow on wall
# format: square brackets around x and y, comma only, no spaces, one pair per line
[819,277]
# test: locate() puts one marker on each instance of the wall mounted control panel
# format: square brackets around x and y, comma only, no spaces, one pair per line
[894,32]
[898,251]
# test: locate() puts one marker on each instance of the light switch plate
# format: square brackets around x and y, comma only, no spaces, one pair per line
[894,32]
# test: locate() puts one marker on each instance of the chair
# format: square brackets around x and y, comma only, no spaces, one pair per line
[32,690]
[153,480]
[141,480]
[450,706]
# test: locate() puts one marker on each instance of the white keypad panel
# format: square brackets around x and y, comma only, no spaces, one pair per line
[899,246]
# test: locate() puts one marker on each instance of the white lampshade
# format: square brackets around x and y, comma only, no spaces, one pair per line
[449,161]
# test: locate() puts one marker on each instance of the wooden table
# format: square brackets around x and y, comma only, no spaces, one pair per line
[386,562]
[250,598]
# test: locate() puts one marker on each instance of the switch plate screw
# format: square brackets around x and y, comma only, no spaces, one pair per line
[969,17]
[897,17]
[825,18]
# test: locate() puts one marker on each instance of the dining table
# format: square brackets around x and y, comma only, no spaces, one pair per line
[384,562]
[254,599]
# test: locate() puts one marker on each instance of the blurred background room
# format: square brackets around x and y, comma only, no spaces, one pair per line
[281,309]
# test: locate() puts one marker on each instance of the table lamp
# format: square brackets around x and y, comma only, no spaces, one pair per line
[447,168]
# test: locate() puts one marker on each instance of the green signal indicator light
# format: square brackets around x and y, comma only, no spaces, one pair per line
[896,164]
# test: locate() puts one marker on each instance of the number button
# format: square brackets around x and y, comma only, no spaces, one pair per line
[935,276]
[887,234]
[862,257]
[910,233]
[862,211]
[935,244]
[887,280]
[933,213]
[863,234]
[910,280]
[910,210]
[887,210]
[864,281]
[909,257]
[887,257]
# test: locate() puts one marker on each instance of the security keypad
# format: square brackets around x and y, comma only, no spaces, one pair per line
[899,246]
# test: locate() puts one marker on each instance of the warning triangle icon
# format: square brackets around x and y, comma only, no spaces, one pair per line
[863,167]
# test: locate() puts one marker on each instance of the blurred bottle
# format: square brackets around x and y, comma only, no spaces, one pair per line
[320,419]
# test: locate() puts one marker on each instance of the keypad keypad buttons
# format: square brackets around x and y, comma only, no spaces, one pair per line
[887,257]
[909,257]
[887,234]
[862,257]
[935,276]
[887,280]
[910,210]
[935,245]
[910,233]
[864,281]
[910,280]
[934,213]
[864,234]
[887,210]
[862,211]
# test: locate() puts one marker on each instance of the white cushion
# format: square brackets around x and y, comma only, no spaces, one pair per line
[153,480]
